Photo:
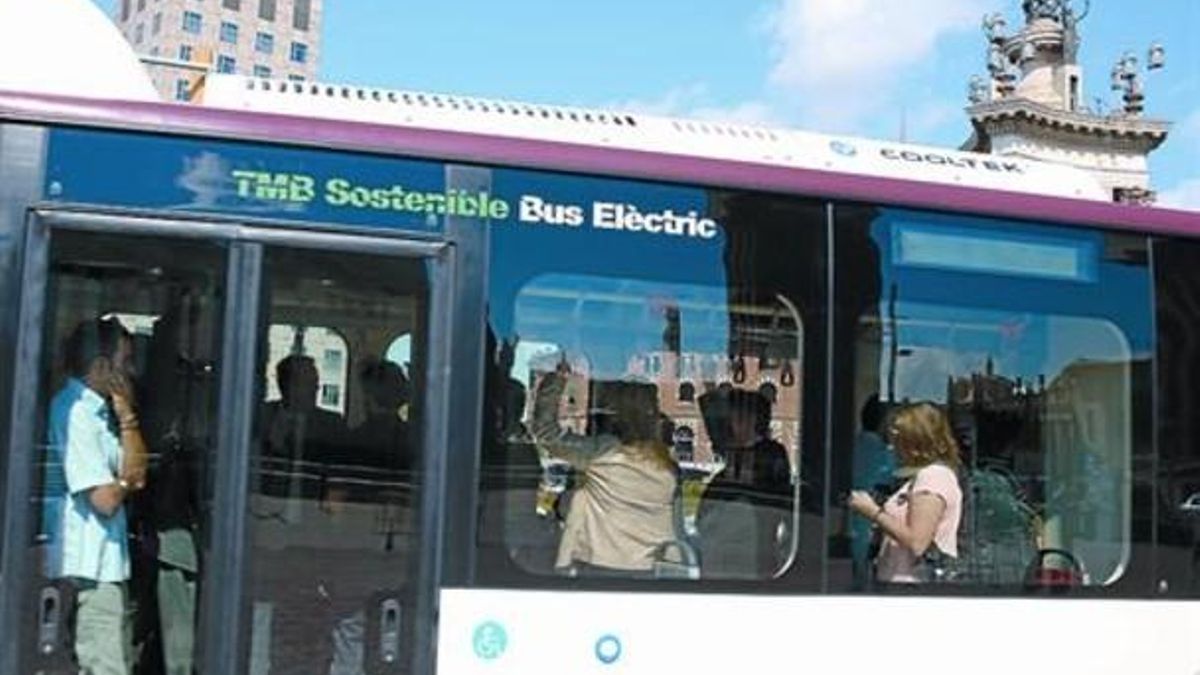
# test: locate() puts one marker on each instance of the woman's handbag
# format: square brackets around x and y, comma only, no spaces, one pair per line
[937,567]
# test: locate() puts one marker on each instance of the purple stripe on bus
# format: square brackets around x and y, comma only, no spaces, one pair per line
[555,156]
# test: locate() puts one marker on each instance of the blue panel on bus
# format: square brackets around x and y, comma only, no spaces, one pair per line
[256,180]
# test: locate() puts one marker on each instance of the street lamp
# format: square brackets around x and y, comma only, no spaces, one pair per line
[1127,79]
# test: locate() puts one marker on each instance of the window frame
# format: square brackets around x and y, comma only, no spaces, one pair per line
[298,52]
[264,42]
[228,32]
[192,23]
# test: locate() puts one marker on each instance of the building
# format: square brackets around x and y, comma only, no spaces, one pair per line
[262,38]
[1033,105]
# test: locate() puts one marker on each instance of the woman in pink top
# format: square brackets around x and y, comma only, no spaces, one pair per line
[927,509]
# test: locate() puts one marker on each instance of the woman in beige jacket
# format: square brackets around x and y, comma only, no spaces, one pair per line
[622,510]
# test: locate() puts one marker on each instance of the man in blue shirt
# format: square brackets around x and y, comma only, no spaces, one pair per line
[97,452]
[874,471]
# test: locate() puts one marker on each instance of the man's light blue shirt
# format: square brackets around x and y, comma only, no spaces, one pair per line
[84,453]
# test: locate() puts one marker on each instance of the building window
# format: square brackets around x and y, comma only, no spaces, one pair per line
[139,34]
[156,25]
[124,10]
[192,22]
[226,64]
[687,392]
[299,52]
[331,396]
[302,14]
[295,78]
[185,52]
[262,71]
[182,90]
[229,32]
[264,42]
[235,5]
[141,5]
[332,359]
[266,10]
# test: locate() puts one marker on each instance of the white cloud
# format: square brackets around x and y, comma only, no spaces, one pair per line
[1185,195]
[693,101]
[842,58]
[676,101]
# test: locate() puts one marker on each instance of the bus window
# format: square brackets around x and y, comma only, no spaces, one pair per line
[399,352]
[604,416]
[1033,343]
[648,411]
[331,357]
[1174,497]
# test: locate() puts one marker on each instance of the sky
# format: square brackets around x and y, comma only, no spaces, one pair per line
[878,68]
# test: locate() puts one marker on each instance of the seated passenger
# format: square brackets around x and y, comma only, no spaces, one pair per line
[747,505]
[382,440]
[622,512]
[920,521]
[303,436]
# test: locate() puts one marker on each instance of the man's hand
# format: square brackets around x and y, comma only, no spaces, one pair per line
[134,466]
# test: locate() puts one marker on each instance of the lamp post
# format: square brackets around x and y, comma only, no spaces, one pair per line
[1127,78]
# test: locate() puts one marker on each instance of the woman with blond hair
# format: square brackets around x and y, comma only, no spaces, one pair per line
[622,512]
[920,521]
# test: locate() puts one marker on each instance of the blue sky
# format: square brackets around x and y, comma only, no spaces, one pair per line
[823,65]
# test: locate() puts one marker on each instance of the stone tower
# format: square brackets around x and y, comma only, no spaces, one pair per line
[1033,105]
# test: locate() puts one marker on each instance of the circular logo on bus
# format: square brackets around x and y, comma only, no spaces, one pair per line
[843,148]
[489,640]
[608,649]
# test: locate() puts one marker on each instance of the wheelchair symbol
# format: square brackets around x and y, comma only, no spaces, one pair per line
[489,641]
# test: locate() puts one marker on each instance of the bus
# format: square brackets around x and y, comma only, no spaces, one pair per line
[351,313]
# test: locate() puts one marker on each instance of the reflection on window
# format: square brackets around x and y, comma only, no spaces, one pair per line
[399,352]
[1041,402]
[309,341]
[1031,345]
[705,471]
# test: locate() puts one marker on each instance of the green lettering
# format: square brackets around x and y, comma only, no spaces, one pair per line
[245,179]
[337,191]
[497,209]
[301,188]
[380,198]
[435,203]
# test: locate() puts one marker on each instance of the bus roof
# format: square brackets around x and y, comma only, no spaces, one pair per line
[678,163]
[648,133]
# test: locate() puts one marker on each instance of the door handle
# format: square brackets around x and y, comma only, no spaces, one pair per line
[390,622]
[50,623]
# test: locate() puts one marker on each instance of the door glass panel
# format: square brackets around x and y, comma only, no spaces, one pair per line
[337,447]
[129,373]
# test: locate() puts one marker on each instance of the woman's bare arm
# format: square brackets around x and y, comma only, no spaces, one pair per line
[925,510]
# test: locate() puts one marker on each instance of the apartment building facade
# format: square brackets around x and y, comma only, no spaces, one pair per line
[263,38]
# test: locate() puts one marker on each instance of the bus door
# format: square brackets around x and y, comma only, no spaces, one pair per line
[280,389]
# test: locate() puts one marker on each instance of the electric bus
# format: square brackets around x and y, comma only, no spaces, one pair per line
[344,304]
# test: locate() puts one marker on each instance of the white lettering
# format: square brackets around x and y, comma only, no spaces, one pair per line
[627,217]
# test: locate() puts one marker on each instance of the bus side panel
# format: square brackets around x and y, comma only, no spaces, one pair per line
[22,167]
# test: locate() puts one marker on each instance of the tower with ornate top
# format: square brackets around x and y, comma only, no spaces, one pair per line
[1032,103]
